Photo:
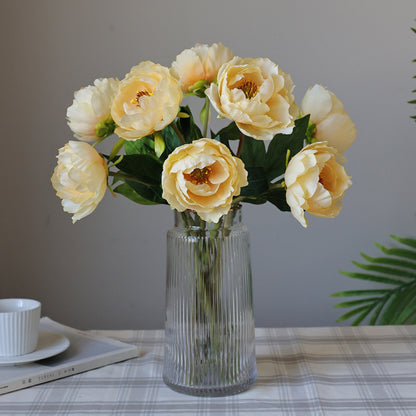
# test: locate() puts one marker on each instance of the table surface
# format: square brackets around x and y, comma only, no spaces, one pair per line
[301,371]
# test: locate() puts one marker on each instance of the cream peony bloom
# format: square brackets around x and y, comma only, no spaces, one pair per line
[332,122]
[204,177]
[147,101]
[90,106]
[315,182]
[257,95]
[80,178]
[199,63]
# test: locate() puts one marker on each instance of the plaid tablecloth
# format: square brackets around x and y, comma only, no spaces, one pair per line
[301,371]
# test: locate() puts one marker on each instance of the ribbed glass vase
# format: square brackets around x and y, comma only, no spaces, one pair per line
[209,328]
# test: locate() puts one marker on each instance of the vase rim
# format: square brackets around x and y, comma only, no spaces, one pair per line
[229,219]
[233,208]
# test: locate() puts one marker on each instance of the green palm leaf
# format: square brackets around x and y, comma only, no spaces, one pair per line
[399,252]
[376,313]
[353,313]
[407,241]
[361,317]
[355,302]
[373,278]
[361,292]
[393,305]
[390,261]
[386,270]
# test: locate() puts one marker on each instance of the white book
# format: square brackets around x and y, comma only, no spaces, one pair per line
[86,351]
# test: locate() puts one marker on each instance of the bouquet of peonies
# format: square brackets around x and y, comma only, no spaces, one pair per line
[163,157]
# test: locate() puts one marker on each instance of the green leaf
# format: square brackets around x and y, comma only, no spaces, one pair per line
[363,292]
[277,196]
[354,312]
[257,182]
[150,193]
[127,191]
[411,242]
[355,302]
[253,152]
[171,139]
[408,312]
[391,306]
[407,296]
[386,270]
[402,298]
[361,317]
[399,252]
[230,132]
[145,168]
[275,160]
[390,261]
[376,312]
[373,278]
[143,146]
[188,127]
[255,200]
[391,309]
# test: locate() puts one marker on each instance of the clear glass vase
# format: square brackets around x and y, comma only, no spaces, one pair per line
[209,328]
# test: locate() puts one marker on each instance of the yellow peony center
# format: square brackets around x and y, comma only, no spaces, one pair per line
[198,176]
[136,99]
[249,88]
[326,179]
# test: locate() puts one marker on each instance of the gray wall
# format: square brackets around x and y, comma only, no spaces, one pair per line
[108,270]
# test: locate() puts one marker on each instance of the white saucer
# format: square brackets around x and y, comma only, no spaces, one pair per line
[49,344]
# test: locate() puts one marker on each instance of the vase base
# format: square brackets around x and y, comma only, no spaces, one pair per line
[212,391]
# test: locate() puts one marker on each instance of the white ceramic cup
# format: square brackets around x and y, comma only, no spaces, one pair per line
[19,326]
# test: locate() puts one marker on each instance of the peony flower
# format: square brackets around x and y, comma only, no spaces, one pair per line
[204,177]
[257,95]
[332,122]
[91,105]
[147,101]
[199,63]
[315,182]
[80,178]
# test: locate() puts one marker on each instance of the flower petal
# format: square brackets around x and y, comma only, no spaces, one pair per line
[316,102]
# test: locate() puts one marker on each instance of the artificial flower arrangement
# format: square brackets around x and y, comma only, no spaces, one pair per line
[169,159]
[163,157]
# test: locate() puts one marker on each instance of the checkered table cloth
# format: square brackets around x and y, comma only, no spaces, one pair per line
[301,371]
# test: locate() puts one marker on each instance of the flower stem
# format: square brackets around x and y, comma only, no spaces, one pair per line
[208,332]
[240,145]
[179,134]
[205,116]
[129,178]
[111,190]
